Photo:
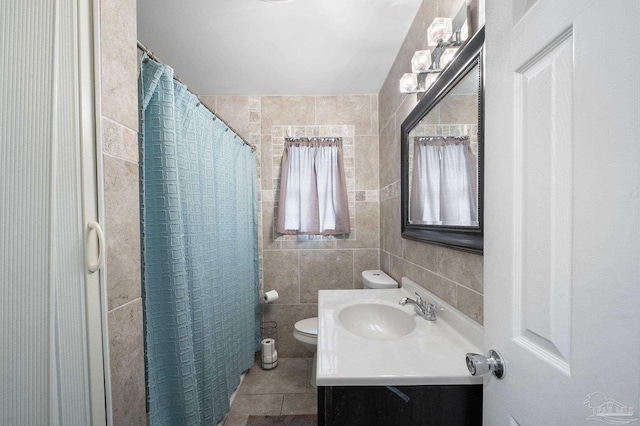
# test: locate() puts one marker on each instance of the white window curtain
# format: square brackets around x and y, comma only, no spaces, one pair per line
[444,182]
[313,190]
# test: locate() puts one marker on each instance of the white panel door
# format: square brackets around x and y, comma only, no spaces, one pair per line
[51,359]
[562,211]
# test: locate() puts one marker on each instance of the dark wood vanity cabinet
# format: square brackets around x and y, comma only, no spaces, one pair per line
[452,405]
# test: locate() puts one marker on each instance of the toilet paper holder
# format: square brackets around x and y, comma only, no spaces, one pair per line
[269,330]
[269,338]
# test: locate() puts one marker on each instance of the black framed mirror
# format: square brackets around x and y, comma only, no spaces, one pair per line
[442,156]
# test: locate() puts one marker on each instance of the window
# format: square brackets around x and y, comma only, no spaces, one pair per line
[313,190]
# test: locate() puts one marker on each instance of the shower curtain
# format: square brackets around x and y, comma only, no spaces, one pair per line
[200,253]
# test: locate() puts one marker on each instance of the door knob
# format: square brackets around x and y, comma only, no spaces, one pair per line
[479,364]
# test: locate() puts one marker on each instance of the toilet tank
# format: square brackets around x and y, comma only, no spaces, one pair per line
[377,279]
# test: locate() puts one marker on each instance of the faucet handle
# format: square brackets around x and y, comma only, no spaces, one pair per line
[418,299]
[430,311]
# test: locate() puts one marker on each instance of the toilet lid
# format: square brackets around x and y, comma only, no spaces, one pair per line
[307,326]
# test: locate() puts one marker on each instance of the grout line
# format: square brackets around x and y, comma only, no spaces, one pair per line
[353,271]
[433,272]
[119,123]
[120,158]
[299,281]
[470,289]
[125,304]
[437,274]
[370,114]
[382,127]
[455,298]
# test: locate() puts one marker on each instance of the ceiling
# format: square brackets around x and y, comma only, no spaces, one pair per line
[253,47]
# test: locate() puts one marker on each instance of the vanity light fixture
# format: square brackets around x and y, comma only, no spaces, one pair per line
[445,36]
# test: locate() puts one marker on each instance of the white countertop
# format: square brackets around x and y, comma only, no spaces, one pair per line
[432,354]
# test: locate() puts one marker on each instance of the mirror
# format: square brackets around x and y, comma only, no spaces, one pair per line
[442,147]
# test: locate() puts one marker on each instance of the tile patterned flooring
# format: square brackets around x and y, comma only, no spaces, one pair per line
[283,390]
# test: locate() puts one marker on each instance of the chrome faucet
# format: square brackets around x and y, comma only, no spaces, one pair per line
[422,308]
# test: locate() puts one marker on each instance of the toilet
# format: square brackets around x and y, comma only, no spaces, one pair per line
[306,331]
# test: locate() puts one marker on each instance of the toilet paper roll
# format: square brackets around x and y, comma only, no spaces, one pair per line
[268,347]
[271,366]
[270,359]
[270,296]
[269,362]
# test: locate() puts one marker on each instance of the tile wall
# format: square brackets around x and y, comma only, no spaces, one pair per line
[119,96]
[297,268]
[453,275]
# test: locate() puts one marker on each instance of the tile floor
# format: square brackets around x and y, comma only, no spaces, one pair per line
[283,390]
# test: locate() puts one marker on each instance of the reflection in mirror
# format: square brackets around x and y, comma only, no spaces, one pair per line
[442,156]
[443,159]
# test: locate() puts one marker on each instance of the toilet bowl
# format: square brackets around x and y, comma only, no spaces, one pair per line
[306,331]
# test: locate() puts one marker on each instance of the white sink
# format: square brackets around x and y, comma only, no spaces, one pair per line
[376,321]
[365,338]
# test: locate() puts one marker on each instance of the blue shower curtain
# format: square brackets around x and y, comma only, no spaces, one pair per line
[200,253]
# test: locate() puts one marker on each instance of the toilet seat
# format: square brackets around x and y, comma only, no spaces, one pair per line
[307,327]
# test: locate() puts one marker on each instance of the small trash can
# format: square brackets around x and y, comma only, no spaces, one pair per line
[269,356]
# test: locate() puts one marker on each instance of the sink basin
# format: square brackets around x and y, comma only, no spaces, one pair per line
[376,321]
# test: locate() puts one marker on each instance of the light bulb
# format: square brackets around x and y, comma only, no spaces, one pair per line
[447,56]
[439,30]
[429,80]
[421,61]
[409,83]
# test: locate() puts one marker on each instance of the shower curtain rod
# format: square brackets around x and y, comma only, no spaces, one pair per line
[151,55]
[313,139]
